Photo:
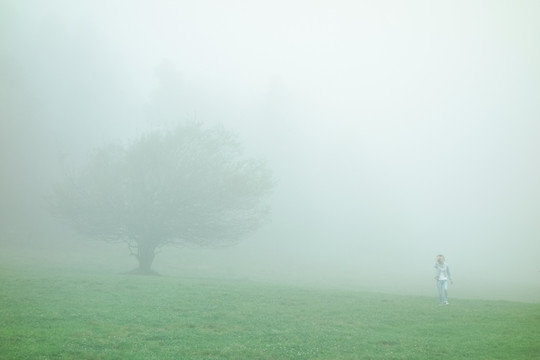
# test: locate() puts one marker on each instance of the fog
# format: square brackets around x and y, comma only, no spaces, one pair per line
[395,130]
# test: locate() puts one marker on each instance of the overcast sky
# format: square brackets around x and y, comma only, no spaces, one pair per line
[397,130]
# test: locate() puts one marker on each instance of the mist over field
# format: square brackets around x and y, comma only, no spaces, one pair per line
[395,131]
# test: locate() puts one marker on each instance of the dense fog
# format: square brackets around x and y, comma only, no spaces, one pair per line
[395,130]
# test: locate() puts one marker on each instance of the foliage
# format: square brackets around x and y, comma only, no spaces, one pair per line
[188,186]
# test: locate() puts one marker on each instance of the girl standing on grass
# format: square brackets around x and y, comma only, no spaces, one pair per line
[442,275]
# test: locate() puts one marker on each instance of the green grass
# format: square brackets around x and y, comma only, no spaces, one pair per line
[50,314]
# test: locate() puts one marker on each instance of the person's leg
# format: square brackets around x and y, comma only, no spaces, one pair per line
[440,288]
[446,291]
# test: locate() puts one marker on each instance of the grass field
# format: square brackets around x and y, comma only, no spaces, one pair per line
[51,314]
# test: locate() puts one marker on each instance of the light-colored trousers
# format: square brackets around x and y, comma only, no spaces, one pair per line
[442,286]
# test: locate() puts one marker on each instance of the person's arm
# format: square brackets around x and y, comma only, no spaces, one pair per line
[449,274]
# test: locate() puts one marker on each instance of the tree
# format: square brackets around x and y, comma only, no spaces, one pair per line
[188,186]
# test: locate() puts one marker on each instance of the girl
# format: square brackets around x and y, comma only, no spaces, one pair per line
[442,275]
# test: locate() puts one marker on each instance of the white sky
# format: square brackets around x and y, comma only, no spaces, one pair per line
[405,128]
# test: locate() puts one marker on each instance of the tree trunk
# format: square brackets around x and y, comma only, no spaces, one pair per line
[146,256]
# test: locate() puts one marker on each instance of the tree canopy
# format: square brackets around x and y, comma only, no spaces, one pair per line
[191,185]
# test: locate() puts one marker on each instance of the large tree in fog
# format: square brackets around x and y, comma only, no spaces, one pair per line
[188,186]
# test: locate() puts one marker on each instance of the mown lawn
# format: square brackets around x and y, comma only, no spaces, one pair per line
[49,314]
